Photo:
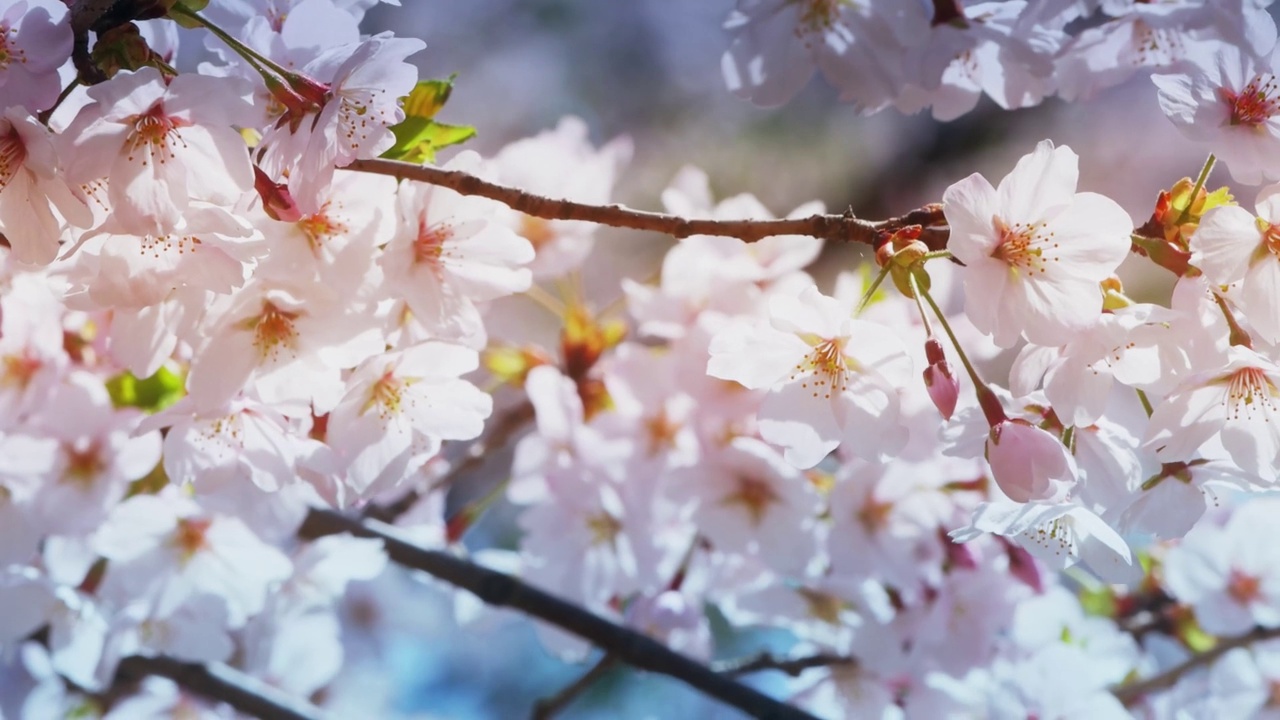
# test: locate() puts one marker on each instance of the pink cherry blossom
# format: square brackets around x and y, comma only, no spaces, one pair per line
[1034,249]
[1228,98]
[35,39]
[833,380]
[1232,245]
[363,86]
[1028,463]
[161,145]
[31,188]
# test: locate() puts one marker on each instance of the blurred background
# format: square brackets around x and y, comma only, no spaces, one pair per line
[650,69]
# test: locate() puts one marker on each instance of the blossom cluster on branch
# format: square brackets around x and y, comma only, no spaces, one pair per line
[225,307]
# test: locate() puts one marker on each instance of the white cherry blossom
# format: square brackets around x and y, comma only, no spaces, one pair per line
[1034,249]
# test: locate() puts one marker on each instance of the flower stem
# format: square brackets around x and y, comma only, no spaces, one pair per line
[1195,191]
[260,62]
[875,285]
[44,115]
[987,399]
[1239,336]
[1146,403]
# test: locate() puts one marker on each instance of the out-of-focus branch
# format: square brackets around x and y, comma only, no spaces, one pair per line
[1133,692]
[220,683]
[497,588]
[547,708]
[792,666]
[838,228]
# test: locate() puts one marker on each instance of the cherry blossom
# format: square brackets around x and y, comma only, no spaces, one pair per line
[1232,246]
[1034,249]
[36,41]
[1227,98]
[161,145]
[832,379]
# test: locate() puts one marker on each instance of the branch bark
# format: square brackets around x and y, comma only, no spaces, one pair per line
[1131,693]
[792,666]
[839,228]
[220,683]
[496,588]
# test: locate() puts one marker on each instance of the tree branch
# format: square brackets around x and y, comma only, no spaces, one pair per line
[839,228]
[548,707]
[220,683]
[792,666]
[1133,692]
[496,588]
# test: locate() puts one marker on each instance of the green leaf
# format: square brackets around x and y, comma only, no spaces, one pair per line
[419,136]
[157,392]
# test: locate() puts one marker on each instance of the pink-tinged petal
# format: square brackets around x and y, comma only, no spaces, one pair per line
[1080,397]
[1224,242]
[451,410]
[1054,309]
[1041,185]
[1030,366]
[222,368]
[869,417]
[767,64]
[809,313]
[971,206]
[754,354]
[216,163]
[1267,204]
[556,402]
[987,282]
[1185,421]
[1090,238]
[141,340]
[804,424]
[1260,297]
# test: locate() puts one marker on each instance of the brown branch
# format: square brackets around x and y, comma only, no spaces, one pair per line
[792,666]
[1131,693]
[547,708]
[840,228]
[220,683]
[495,588]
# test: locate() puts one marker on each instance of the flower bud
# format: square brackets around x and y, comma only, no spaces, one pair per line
[939,379]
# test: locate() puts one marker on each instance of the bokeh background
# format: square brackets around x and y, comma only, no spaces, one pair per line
[650,69]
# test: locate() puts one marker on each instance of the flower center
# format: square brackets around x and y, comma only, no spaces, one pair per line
[828,367]
[9,51]
[536,230]
[818,15]
[84,464]
[1243,587]
[190,536]
[155,134]
[18,370]
[12,154]
[272,330]
[1256,104]
[604,528]
[1249,390]
[754,495]
[1023,247]
[428,247]
[387,394]
[320,227]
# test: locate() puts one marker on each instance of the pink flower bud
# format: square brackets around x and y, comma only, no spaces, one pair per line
[1028,463]
[939,380]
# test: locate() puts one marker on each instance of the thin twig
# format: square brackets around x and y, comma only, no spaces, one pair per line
[792,666]
[1133,692]
[547,708]
[220,683]
[497,588]
[840,228]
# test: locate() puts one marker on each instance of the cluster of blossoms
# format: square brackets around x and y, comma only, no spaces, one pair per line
[212,321]
[946,54]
